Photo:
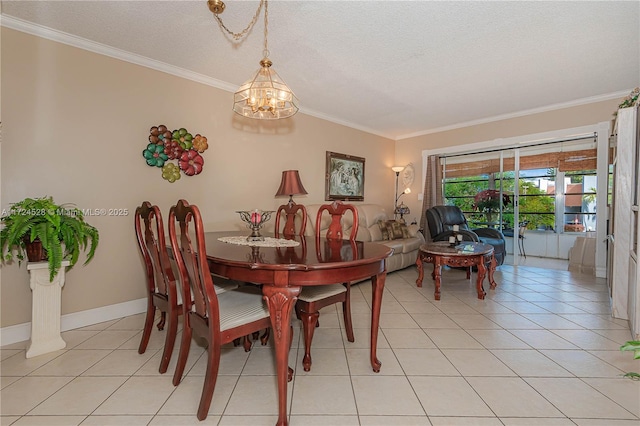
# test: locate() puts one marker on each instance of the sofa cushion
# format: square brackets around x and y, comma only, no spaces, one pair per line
[396,245]
[411,244]
[405,245]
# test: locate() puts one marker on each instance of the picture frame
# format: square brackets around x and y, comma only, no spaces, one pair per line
[344,177]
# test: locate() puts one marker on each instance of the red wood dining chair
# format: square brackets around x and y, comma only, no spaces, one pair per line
[314,298]
[217,318]
[293,213]
[161,284]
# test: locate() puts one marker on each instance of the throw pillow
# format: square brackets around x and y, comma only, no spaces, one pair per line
[405,230]
[383,230]
[395,230]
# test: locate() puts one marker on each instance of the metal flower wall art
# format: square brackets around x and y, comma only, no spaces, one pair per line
[175,152]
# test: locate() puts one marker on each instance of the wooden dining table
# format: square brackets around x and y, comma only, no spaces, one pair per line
[283,271]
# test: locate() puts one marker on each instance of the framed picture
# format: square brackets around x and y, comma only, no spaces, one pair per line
[344,178]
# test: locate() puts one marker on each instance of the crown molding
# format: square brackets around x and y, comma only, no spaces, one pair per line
[102,49]
[523,113]
[112,52]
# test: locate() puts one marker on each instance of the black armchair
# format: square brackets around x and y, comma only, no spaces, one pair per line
[441,219]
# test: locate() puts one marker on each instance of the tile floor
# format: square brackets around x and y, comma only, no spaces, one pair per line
[541,349]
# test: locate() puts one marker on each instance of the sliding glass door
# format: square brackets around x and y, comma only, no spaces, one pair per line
[534,193]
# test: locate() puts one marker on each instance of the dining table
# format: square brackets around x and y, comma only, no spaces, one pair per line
[283,271]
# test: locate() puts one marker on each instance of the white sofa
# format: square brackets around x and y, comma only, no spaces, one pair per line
[405,250]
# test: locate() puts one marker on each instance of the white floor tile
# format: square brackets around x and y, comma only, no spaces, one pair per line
[449,396]
[79,397]
[385,395]
[425,362]
[331,395]
[49,420]
[545,337]
[22,396]
[124,420]
[138,395]
[574,398]
[477,362]
[508,401]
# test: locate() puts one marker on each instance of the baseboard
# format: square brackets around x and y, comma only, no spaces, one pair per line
[21,332]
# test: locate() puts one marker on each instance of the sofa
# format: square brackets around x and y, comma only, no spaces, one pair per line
[405,247]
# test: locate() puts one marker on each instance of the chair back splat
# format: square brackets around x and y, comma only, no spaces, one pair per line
[337,209]
[161,283]
[293,213]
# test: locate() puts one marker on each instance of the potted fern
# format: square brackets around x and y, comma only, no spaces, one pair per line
[60,230]
[632,345]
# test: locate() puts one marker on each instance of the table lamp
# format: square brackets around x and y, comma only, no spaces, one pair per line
[291,185]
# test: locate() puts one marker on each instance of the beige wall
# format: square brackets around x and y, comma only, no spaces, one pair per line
[74,127]
[410,150]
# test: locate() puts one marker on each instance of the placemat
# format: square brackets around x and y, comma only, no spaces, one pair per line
[268,242]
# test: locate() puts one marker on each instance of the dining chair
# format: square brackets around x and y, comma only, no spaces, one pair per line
[293,213]
[161,284]
[314,298]
[216,318]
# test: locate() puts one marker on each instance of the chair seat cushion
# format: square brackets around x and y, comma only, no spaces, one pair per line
[224,284]
[238,307]
[318,292]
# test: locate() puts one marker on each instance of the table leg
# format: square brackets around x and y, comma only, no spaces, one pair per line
[437,276]
[482,272]
[377,286]
[492,269]
[420,265]
[281,299]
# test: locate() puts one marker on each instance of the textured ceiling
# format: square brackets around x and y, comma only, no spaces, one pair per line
[394,68]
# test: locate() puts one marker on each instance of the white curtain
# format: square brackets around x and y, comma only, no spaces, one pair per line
[432,191]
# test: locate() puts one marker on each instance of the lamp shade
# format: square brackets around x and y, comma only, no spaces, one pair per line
[291,184]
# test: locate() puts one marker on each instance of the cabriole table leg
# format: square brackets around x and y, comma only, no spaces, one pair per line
[377,287]
[281,301]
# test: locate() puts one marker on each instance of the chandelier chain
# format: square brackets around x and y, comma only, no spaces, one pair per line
[266,31]
[238,36]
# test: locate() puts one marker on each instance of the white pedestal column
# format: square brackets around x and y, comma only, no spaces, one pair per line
[45,310]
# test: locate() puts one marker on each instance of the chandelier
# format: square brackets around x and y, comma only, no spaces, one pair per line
[265,96]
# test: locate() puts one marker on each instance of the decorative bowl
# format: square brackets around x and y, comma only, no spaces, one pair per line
[255,219]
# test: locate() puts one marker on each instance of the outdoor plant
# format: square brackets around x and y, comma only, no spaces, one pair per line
[60,228]
[488,201]
[632,345]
